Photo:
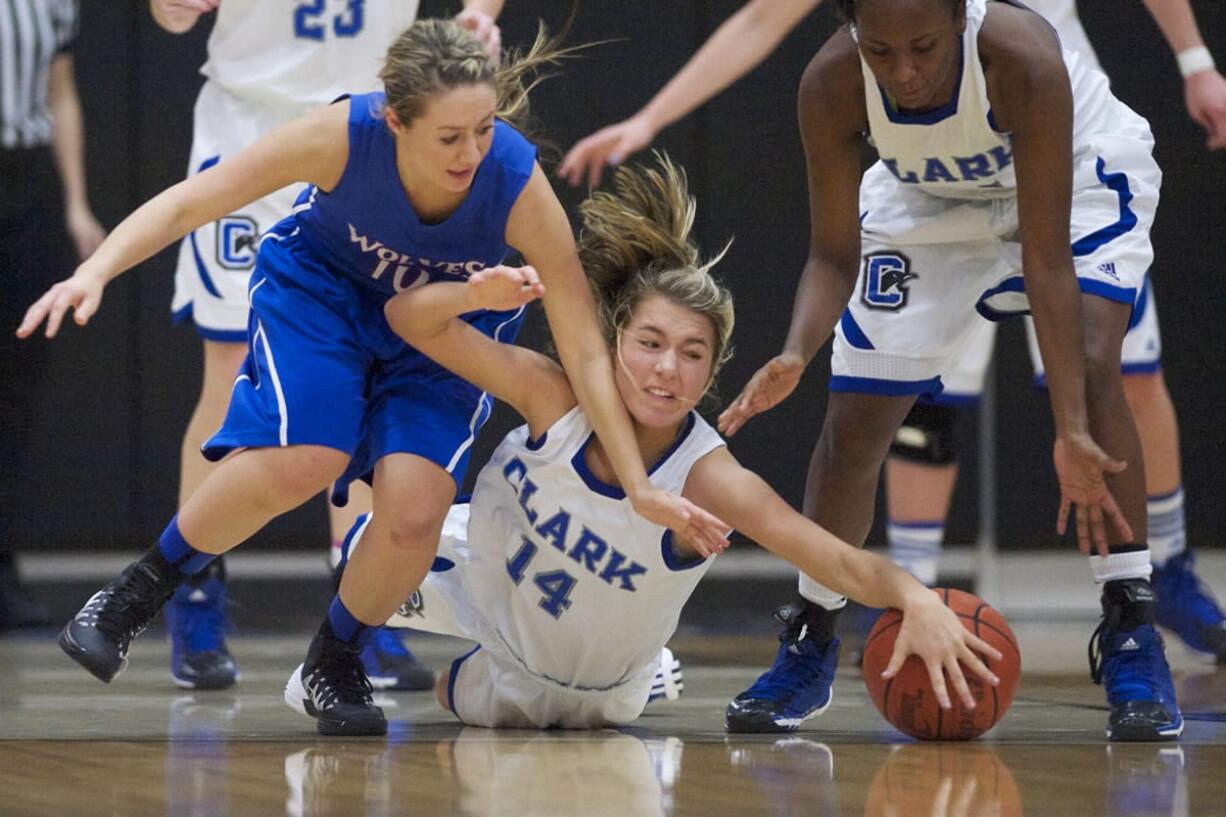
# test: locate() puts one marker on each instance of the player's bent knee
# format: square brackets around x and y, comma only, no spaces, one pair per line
[301,471]
[926,436]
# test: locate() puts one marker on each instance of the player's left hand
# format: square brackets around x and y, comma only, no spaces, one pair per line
[1205,95]
[932,631]
[87,234]
[484,29]
[1080,468]
[503,288]
[702,530]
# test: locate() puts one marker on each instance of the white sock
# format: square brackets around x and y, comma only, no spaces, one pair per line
[916,547]
[1167,536]
[1117,566]
[821,595]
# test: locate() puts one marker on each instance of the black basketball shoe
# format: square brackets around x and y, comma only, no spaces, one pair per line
[99,635]
[331,686]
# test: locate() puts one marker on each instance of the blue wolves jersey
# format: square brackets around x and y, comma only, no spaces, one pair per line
[366,229]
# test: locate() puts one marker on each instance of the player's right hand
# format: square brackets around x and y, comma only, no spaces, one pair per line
[503,288]
[766,389]
[607,146]
[81,293]
[1081,468]
[932,631]
[1205,95]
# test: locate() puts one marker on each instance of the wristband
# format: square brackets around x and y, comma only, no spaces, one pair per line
[1194,60]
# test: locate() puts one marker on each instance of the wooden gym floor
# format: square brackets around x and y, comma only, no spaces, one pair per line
[72,746]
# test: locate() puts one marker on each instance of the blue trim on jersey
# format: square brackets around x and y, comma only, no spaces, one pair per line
[900,117]
[579,463]
[674,560]
[889,388]
[1123,295]
[951,399]
[918,525]
[451,677]
[992,123]
[1142,304]
[1087,286]
[220,335]
[205,278]
[536,445]
[1127,220]
[1141,368]
[852,331]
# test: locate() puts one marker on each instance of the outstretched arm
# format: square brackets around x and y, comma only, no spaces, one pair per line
[930,630]
[538,228]
[1204,88]
[832,117]
[742,42]
[312,149]
[69,143]
[1028,86]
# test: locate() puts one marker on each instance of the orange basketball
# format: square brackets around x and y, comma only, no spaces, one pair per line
[907,700]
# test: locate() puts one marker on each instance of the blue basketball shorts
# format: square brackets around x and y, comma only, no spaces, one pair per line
[324,368]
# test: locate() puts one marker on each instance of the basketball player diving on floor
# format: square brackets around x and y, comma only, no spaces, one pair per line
[569,593]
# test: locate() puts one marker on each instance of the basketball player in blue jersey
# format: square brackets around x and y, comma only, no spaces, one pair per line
[268,64]
[548,554]
[427,183]
[981,127]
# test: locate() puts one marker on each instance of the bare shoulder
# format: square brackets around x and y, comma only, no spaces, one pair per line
[832,87]
[1022,63]
[1015,38]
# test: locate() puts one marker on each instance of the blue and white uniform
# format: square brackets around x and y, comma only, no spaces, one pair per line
[323,367]
[269,61]
[940,239]
[569,593]
[1142,348]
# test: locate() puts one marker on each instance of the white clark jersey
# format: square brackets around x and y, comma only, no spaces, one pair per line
[577,588]
[1062,14]
[956,150]
[302,53]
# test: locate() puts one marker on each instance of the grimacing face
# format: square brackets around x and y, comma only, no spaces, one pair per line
[666,355]
[912,48]
[445,143]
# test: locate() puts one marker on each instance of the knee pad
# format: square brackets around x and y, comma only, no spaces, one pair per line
[926,435]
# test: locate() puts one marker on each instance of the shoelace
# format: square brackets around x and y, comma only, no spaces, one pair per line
[125,609]
[1133,665]
[339,677]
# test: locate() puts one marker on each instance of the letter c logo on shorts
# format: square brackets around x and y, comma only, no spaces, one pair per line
[238,240]
[885,281]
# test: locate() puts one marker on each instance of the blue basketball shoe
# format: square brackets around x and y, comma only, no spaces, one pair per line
[389,664]
[796,687]
[1127,657]
[197,623]
[1187,608]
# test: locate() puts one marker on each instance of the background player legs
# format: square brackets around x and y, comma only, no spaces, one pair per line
[1184,604]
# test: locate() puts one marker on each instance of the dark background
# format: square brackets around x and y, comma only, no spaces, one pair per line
[101,470]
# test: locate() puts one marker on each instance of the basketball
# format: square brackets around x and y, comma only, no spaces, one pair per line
[907,700]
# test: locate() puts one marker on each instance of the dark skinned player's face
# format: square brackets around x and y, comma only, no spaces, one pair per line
[912,48]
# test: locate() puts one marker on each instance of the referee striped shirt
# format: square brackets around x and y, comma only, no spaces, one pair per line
[32,34]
